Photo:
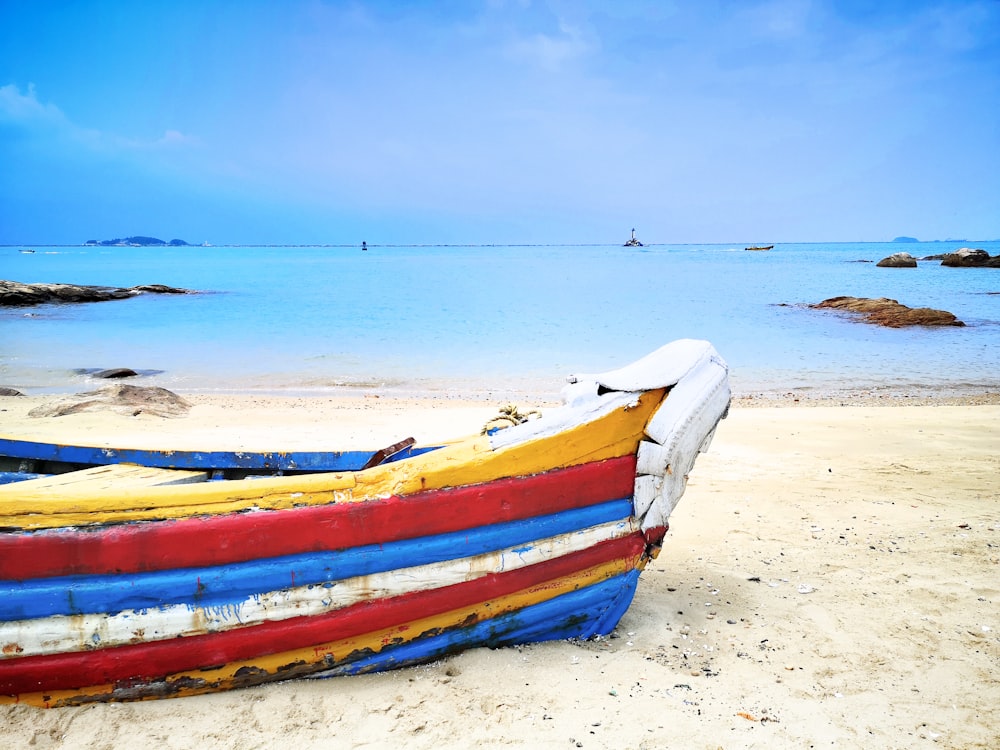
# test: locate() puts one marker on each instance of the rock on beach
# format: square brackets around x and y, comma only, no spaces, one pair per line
[128,400]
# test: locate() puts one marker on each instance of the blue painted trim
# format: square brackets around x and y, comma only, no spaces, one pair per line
[594,610]
[204,460]
[9,477]
[220,586]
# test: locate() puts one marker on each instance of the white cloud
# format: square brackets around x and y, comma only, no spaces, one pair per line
[25,108]
[550,51]
[781,19]
[176,138]
[964,28]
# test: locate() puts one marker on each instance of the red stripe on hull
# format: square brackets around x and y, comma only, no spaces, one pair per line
[154,660]
[236,537]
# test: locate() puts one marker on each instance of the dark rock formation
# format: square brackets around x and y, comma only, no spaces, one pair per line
[112,372]
[898,260]
[10,392]
[889,312]
[115,373]
[158,289]
[14,293]
[130,400]
[971,257]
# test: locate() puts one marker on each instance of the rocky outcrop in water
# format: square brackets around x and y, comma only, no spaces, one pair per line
[898,260]
[889,312]
[115,373]
[17,294]
[971,257]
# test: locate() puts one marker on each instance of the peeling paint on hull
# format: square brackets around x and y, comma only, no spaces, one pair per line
[534,533]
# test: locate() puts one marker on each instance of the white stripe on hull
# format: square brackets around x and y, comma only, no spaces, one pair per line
[71,633]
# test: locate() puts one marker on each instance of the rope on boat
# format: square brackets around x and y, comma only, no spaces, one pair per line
[508,417]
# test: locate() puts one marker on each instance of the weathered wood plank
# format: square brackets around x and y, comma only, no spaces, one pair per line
[102,478]
[194,542]
[226,586]
[309,640]
[107,624]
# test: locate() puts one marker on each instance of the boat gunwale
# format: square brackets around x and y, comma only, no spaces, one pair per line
[475,457]
[188,542]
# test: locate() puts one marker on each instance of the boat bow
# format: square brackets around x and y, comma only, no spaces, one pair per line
[696,380]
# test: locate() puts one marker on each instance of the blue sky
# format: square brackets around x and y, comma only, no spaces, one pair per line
[494,121]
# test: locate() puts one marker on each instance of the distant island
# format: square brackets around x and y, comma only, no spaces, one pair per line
[136,242]
[950,239]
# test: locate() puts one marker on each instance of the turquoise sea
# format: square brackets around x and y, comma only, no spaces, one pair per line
[496,320]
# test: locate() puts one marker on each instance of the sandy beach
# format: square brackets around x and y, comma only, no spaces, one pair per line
[831,578]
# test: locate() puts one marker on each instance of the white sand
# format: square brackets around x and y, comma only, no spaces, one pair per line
[874,533]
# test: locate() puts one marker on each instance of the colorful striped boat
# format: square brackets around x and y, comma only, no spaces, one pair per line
[135,582]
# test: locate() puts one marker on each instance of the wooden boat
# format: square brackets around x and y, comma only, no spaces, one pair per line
[143,582]
[761,247]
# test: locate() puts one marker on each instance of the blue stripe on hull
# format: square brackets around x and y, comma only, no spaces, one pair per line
[594,610]
[226,585]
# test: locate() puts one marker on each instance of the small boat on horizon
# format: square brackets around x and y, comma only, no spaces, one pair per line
[760,247]
[125,582]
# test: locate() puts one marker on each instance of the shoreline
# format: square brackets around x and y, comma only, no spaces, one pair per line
[548,389]
[267,422]
[775,388]
[323,422]
[830,577]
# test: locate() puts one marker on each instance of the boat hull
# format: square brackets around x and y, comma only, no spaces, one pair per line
[535,533]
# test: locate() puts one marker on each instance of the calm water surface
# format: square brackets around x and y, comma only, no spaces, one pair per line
[491,320]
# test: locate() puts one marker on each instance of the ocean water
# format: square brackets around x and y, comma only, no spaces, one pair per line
[489,321]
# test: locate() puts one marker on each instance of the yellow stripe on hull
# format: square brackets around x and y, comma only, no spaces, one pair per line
[299,662]
[472,461]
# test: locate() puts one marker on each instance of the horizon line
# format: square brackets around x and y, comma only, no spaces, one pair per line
[480,244]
